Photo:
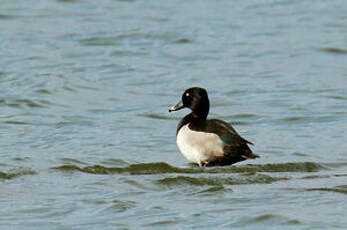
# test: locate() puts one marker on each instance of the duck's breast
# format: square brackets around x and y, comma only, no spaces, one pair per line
[199,146]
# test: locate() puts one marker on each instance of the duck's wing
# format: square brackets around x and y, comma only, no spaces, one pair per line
[226,132]
[235,147]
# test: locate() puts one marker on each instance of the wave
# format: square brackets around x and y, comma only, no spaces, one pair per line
[18,173]
[339,189]
[267,218]
[333,50]
[160,168]
[219,181]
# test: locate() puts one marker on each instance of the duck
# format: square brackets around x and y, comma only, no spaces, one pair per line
[208,142]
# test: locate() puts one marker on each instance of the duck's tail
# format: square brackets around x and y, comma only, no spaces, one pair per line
[250,155]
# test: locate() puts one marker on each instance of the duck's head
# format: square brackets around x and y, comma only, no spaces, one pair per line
[196,99]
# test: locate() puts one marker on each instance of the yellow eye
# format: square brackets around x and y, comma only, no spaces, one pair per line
[187,94]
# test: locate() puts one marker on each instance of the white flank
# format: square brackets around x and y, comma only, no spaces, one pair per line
[199,147]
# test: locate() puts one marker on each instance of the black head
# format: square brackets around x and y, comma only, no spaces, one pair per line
[196,99]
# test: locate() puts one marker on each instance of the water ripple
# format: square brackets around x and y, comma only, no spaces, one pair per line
[333,50]
[218,181]
[18,173]
[20,103]
[121,206]
[267,218]
[5,17]
[339,189]
[157,116]
[161,168]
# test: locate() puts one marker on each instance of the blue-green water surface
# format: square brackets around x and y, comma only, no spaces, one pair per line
[86,140]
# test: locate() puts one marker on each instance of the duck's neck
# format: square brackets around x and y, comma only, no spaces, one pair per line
[201,112]
[189,118]
[198,116]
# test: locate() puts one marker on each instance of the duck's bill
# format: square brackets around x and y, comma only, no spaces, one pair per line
[177,107]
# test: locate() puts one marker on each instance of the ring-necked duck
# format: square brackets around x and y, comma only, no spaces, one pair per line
[207,142]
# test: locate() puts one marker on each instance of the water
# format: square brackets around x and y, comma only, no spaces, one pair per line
[87,141]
